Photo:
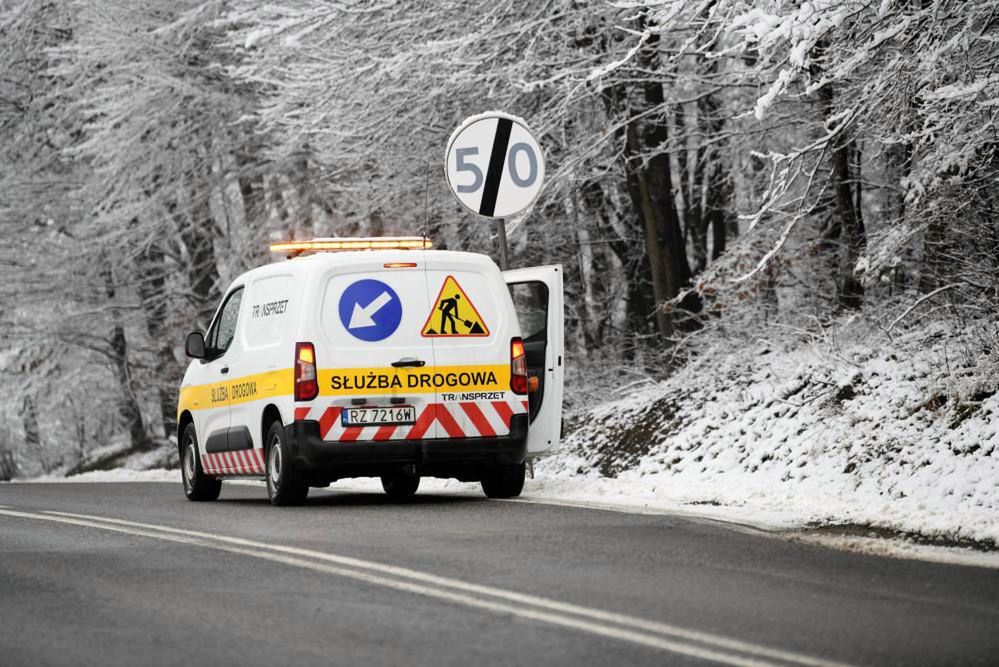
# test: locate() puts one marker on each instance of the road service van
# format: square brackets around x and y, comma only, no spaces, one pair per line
[374,358]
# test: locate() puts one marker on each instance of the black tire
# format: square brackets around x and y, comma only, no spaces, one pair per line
[197,485]
[400,485]
[285,486]
[504,481]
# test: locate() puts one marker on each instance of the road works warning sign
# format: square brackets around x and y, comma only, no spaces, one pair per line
[453,314]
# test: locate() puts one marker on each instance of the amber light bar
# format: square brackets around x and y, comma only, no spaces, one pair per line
[332,245]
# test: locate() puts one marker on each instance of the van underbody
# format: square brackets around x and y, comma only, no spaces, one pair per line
[321,462]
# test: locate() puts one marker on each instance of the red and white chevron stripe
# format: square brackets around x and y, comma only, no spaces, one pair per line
[242,462]
[457,420]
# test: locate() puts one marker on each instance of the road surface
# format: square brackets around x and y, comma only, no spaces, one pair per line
[126,574]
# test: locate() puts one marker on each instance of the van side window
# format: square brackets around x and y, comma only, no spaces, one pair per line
[224,330]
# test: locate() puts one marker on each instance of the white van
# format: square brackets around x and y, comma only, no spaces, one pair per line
[374,358]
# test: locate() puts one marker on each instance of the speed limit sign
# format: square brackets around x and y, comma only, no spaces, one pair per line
[494,165]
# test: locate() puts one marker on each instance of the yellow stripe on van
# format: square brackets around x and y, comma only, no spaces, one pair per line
[347,382]
[380,381]
[237,390]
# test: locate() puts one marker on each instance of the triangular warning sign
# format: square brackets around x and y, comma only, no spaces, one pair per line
[453,314]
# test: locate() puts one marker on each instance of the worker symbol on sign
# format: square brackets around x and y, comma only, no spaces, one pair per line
[454,314]
[449,311]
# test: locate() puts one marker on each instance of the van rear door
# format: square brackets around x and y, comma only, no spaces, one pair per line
[471,324]
[538,299]
[375,369]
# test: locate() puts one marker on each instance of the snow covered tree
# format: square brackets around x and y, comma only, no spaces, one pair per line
[712,164]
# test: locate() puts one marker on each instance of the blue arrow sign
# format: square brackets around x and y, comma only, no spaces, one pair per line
[370,310]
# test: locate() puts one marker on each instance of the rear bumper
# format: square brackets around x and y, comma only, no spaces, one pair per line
[322,462]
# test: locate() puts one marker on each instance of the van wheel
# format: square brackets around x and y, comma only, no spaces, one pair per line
[399,485]
[504,481]
[197,485]
[284,485]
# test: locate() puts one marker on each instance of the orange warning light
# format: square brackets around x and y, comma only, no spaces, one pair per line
[338,244]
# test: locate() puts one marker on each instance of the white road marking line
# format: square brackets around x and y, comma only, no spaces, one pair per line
[636,630]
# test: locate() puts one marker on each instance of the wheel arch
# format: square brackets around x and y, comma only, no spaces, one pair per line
[270,415]
[185,418]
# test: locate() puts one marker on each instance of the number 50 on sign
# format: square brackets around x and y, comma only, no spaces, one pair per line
[494,165]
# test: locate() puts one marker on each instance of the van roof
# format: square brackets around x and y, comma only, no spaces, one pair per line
[310,262]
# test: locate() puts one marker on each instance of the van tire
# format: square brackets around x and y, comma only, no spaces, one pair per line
[285,487]
[400,485]
[197,485]
[504,481]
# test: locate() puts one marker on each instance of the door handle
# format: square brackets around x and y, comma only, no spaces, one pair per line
[225,370]
[409,362]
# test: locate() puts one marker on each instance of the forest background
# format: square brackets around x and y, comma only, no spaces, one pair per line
[719,173]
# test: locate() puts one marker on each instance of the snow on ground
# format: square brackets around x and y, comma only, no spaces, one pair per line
[902,435]
[115,475]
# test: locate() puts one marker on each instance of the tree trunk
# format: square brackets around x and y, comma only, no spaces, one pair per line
[930,274]
[719,190]
[637,271]
[203,274]
[659,261]
[720,216]
[846,220]
[128,404]
[851,293]
[152,291]
[29,415]
[252,187]
[691,185]
[651,188]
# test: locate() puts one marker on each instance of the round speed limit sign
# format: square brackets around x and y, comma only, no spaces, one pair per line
[494,165]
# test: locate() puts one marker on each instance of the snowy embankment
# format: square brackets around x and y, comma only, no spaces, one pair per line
[902,435]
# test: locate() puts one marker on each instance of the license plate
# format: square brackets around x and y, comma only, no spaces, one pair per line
[401,414]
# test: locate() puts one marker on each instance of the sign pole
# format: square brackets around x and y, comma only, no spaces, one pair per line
[504,253]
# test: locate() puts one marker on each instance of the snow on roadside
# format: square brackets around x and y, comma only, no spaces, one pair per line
[114,475]
[902,435]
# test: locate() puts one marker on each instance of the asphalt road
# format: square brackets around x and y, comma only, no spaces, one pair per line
[126,574]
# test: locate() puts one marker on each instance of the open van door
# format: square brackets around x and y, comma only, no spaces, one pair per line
[538,300]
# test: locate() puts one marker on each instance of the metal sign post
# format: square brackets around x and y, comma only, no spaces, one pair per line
[495,169]
[504,257]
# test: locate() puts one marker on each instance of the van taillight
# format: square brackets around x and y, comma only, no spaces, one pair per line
[518,366]
[306,382]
